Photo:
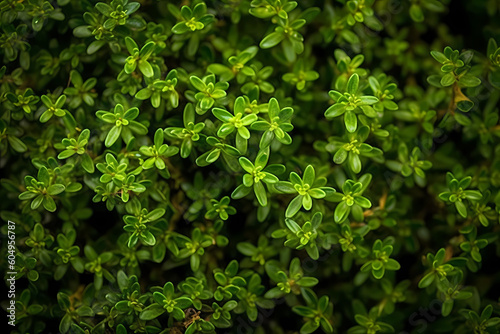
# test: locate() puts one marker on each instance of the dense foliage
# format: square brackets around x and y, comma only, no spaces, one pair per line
[238,166]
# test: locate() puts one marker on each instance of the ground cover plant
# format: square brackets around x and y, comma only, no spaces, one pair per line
[263,166]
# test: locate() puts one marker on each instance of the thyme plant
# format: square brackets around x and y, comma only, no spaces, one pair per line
[253,166]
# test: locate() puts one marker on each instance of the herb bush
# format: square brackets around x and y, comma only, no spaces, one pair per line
[266,166]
